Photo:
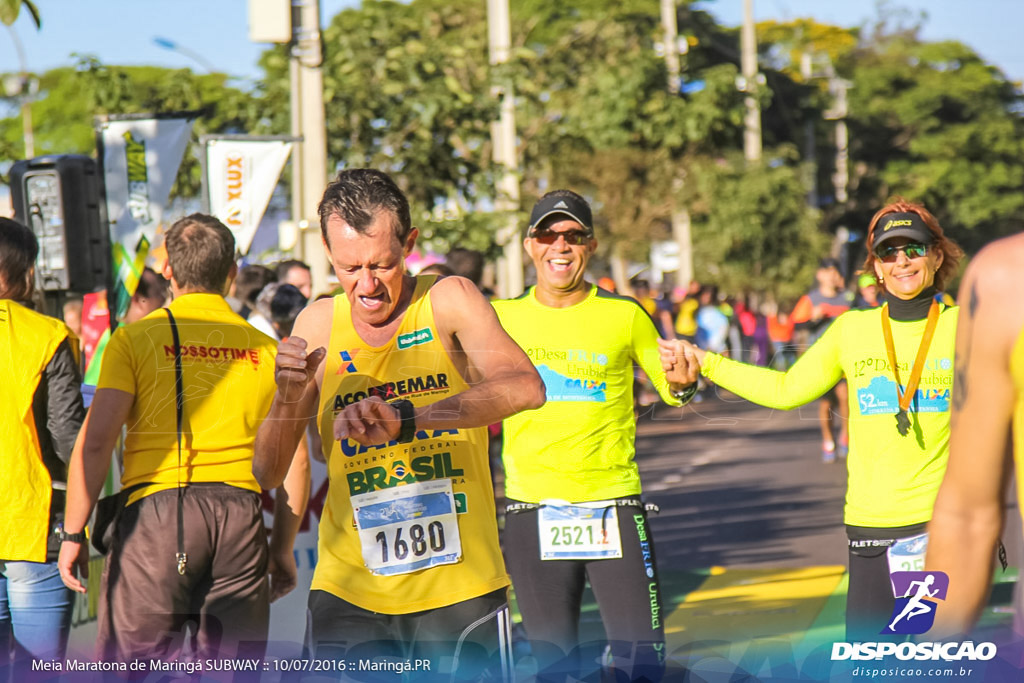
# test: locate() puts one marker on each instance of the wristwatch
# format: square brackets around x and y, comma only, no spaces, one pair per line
[65,536]
[407,413]
[686,393]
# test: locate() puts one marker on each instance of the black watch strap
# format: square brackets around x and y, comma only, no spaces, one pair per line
[407,413]
[62,535]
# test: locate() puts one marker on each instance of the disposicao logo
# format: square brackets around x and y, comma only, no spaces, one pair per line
[914,613]
[915,593]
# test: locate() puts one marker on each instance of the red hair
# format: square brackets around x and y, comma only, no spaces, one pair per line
[951,251]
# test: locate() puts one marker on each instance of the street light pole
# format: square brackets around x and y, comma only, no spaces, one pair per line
[168,44]
[309,122]
[25,88]
[680,216]
[751,81]
[503,136]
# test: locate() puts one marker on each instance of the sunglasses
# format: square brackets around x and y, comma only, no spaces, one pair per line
[889,254]
[573,237]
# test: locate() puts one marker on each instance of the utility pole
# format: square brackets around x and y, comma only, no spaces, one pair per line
[503,139]
[680,215]
[838,113]
[309,160]
[24,87]
[750,82]
[810,148]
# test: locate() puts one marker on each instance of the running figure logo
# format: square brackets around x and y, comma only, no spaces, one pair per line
[916,593]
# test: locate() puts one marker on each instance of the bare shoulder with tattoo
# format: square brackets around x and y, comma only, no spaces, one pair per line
[991,313]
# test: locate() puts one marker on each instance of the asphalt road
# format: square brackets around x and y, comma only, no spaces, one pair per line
[740,486]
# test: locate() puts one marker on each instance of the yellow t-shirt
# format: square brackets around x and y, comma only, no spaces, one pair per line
[228,374]
[413,365]
[893,479]
[686,322]
[1017,372]
[580,445]
[28,341]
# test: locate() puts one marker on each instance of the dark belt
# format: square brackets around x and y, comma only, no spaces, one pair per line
[616,502]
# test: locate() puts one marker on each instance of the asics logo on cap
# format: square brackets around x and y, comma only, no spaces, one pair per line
[896,223]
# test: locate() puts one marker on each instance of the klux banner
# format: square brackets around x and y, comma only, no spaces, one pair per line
[140,155]
[240,175]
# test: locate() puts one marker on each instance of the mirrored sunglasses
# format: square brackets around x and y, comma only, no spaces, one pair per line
[889,254]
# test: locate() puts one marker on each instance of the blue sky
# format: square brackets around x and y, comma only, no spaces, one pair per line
[122,31]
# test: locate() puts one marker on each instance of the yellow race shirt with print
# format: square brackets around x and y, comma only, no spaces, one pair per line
[893,479]
[28,341]
[580,445]
[415,366]
[228,374]
[1017,373]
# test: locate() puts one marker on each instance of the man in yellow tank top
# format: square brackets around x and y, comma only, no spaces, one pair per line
[403,375]
[987,425]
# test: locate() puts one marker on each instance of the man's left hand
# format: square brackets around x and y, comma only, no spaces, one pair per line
[73,555]
[283,574]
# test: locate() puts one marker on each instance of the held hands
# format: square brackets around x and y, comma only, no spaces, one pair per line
[295,369]
[368,422]
[73,555]
[681,360]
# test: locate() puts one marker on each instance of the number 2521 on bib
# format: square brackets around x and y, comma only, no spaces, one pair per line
[575,532]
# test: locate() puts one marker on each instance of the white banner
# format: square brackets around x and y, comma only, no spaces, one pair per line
[241,177]
[140,161]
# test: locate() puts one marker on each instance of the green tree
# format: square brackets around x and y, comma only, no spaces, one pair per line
[70,98]
[406,90]
[753,231]
[934,123]
[597,115]
[10,9]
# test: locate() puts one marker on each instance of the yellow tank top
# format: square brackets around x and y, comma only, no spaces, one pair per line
[28,341]
[1017,372]
[404,482]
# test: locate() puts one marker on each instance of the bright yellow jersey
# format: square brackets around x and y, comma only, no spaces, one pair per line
[579,446]
[228,373]
[1017,373]
[28,341]
[353,565]
[686,321]
[893,479]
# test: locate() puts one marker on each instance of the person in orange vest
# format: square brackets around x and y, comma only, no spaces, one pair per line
[40,417]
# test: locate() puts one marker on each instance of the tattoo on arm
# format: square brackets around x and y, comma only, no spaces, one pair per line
[964,354]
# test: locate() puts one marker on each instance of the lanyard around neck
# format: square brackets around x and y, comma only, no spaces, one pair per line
[922,352]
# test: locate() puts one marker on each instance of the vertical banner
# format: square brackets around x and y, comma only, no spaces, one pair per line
[141,157]
[241,174]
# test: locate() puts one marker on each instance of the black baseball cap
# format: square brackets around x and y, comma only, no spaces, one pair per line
[829,262]
[563,202]
[901,224]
